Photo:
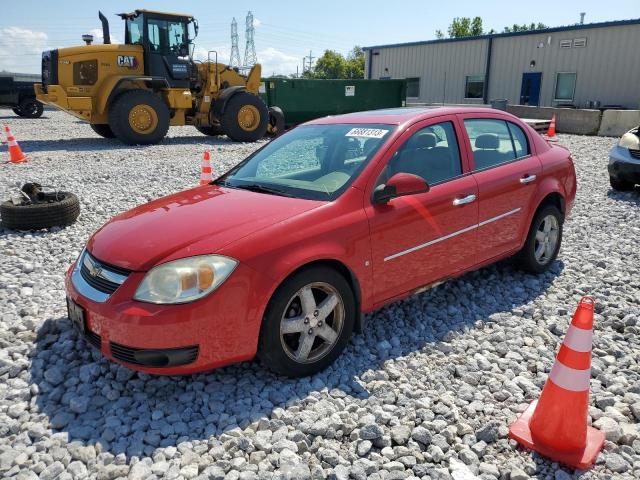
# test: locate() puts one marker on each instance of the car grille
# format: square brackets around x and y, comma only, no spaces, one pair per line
[93,339]
[135,356]
[634,153]
[99,277]
[49,68]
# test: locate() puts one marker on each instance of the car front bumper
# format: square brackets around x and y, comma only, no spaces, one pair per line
[56,96]
[219,329]
[624,166]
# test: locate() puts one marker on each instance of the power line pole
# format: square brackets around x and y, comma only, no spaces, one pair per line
[250,57]
[235,51]
[310,59]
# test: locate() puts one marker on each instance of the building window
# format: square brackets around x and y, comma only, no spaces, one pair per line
[413,87]
[565,86]
[474,86]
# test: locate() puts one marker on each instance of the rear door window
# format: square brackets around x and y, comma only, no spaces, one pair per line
[491,142]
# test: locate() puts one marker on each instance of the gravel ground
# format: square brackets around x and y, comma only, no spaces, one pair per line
[428,391]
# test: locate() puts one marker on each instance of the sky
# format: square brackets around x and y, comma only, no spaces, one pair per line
[285,31]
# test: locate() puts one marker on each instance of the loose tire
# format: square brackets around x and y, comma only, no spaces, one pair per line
[543,241]
[308,322]
[621,185]
[57,210]
[102,129]
[211,131]
[276,121]
[139,117]
[245,118]
[30,108]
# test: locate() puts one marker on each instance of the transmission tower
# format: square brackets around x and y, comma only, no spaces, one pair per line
[250,57]
[235,51]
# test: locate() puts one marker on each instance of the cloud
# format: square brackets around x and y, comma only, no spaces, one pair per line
[277,61]
[20,49]
[257,22]
[97,36]
[271,59]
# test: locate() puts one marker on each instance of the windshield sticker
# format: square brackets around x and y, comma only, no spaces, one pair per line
[366,132]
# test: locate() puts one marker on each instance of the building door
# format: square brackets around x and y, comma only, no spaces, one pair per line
[530,91]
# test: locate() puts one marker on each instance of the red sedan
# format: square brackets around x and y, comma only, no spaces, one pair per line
[282,255]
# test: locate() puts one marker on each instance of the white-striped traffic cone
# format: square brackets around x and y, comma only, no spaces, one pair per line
[205,172]
[556,425]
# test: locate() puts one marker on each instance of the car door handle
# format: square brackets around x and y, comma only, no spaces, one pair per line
[528,179]
[463,200]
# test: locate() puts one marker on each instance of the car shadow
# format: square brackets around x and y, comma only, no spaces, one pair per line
[99,402]
[632,196]
[16,117]
[98,143]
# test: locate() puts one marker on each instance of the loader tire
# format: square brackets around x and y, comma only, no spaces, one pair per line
[58,210]
[102,129]
[211,131]
[139,117]
[245,118]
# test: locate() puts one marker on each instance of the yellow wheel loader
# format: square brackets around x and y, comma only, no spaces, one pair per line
[136,90]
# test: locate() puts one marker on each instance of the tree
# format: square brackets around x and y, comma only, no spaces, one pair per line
[354,67]
[470,27]
[525,28]
[333,65]
[465,27]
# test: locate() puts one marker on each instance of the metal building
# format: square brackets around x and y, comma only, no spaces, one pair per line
[591,65]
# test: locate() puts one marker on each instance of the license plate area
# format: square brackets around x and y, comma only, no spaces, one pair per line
[76,315]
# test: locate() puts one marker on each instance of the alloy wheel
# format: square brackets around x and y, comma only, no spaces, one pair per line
[546,240]
[312,322]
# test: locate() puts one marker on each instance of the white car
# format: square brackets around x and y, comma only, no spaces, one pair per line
[624,161]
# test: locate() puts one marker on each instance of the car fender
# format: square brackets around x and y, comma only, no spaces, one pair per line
[226,94]
[114,85]
[547,186]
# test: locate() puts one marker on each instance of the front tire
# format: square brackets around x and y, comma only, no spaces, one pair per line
[543,241]
[620,185]
[245,118]
[139,117]
[102,129]
[308,322]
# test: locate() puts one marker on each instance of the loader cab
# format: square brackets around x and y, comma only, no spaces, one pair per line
[165,41]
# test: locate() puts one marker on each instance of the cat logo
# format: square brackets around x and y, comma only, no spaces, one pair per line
[127,61]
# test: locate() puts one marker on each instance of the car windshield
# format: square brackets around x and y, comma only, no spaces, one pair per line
[316,162]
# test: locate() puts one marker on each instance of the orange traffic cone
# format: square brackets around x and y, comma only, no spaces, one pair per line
[551,132]
[15,152]
[205,174]
[555,426]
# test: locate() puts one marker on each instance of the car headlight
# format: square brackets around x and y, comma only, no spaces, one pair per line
[630,140]
[185,280]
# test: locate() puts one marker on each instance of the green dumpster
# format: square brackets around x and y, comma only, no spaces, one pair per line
[302,99]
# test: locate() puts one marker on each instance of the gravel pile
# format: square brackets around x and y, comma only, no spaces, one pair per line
[428,390]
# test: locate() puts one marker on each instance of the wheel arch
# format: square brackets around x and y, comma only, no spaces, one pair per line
[220,103]
[346,273]
[121,84]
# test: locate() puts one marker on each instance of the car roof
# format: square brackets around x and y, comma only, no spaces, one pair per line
[398,116]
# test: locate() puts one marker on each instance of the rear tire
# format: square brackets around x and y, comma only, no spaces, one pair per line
[276,121]
[327,333]
[621,185]
[139,117]
[210,131]
[543,241]
[30,108]
[245,118]
[102,129]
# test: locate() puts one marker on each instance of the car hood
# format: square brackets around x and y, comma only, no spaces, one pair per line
[194,222]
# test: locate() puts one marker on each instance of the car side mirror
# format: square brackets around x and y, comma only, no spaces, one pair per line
[399,185]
